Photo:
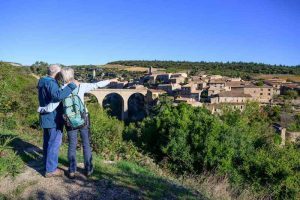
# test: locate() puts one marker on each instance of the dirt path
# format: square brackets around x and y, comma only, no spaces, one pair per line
[32,185]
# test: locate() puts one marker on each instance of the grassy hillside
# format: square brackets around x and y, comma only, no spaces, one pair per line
[186,151]
[21,139]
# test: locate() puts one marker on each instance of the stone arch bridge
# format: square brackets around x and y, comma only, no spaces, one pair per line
[125,94]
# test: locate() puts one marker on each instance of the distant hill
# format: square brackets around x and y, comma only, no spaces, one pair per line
[13,63]
[228,68]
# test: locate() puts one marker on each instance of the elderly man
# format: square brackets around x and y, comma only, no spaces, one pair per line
[52,123]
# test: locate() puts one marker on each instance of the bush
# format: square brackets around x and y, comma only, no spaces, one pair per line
[237,144]
[10,163]
[106,131]
[107,136]
[291,94]
[18,95]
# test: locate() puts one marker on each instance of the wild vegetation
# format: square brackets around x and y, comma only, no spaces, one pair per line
[184,141]
[127,169]
[84,73]
[241,69]
[237,145]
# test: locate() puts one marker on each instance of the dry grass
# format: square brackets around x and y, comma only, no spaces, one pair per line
[210,185]
[131,68]
[295,78]
[216,187]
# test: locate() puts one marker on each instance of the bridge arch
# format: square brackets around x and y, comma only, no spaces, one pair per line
[124,93]
[136,106]
[114,103]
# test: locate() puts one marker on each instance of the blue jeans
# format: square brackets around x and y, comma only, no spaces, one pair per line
[87,153]
[52,141]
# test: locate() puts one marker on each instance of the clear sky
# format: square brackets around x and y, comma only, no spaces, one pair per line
[98,31]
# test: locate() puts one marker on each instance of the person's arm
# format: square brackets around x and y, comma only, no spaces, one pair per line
[87,87]
[49,108]
[58,94]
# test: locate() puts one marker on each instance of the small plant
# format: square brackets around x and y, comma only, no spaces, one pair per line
[4,144]
[10,162]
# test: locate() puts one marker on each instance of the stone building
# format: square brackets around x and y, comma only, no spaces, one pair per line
[262,94]
[190,91]
[163,78]
[117,85]
[179,79]
[276,84]
[231,97]
[217,84]
[169,88]
[153,94]
[236,86]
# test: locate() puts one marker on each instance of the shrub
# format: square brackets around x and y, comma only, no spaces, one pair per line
[106,131]
[237,144]
[10,163]
[18,95]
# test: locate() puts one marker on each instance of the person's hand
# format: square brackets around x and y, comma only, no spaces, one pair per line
[76,82]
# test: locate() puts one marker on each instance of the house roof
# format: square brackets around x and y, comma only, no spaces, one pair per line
[256,86]
[291,85]
[233,94]
[217,81]
[156,90]
[236,84]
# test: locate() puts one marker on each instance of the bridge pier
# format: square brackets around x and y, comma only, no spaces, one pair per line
[125,110]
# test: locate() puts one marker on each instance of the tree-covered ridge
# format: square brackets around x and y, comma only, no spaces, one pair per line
[215,67]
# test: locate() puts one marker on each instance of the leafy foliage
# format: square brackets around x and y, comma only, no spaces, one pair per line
[241,69]
[10,163]
[107,135]
[18,97]
[237,144]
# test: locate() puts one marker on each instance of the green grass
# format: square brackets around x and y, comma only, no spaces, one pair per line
[10,163]
[19,122]
[139,179]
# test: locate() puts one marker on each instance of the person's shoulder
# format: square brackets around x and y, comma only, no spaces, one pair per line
[44,80]
[47,81]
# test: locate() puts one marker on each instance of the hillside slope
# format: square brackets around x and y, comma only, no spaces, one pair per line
[21,156]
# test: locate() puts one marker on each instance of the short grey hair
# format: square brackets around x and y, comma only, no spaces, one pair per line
[67,74]
[53,69]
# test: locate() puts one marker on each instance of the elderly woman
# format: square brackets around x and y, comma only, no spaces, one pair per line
[68,77]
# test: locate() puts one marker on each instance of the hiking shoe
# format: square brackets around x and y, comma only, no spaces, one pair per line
[56,173]
[89,173]
[71,175]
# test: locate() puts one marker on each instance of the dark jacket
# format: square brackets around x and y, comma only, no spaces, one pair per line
[49,92]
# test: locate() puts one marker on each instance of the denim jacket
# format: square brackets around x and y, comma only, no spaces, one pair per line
[50,92]
[82,89]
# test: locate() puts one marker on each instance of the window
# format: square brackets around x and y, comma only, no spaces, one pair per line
[261,93]
[269,94]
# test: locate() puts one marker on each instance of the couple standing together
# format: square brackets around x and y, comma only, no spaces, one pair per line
[51,111]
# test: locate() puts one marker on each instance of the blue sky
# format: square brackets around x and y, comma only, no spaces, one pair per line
[96,32]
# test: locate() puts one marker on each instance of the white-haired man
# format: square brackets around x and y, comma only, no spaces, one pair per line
[52,122]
